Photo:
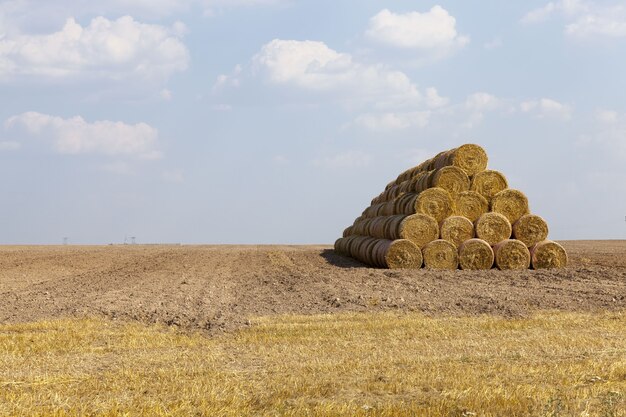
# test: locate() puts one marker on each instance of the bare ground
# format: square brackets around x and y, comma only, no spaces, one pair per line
[218,288]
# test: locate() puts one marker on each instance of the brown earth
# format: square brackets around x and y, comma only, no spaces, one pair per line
[218,288]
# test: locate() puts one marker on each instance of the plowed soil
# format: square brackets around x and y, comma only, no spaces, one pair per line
[217,288]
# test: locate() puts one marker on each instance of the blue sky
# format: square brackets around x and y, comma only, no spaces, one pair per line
[276,121]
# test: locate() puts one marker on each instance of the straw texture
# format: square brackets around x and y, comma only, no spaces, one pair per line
[440,254]
[475,254]
[512,203]
[457,229]
[470,158]
[434,202]
[493,228]
[548,254]
[489,183]
[471,204]
[530,229]
[511,254]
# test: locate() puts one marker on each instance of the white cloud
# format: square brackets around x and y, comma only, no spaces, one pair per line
[76,136]
[566,7]
[435,29]
[382,122]
[9,145]
[584,19]
[606,116]
[547,108]
[228,80]
[477,104]
[433,99]
[608,23]
[482,101]
[313,66]
[349,159]
[113,49]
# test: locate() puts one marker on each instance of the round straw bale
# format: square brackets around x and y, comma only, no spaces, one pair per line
[405,203]
[338,245]
[512,203]
[471,204]
[548,254]
[399,253]
[475,254]
[457,229]
[530,229]
[348,231]
[493,228]
[355,248]
[435,202]
[440,254]
[470,158]
[377,227]
[489,183]
[368,252]
[360,227]
[452,179]
[342,245]
[359,249]
[418,228]
[420,182]
[512,254]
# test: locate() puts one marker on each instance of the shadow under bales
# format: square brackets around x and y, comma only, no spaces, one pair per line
[341,261]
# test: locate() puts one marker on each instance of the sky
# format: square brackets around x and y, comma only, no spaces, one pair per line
[277,121]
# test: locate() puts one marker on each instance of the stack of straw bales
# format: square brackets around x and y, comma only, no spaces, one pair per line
[451,212]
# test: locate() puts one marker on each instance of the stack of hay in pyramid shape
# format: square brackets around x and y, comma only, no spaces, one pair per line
[450,212]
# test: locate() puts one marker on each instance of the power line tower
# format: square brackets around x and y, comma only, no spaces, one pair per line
[65,240]
[132,240]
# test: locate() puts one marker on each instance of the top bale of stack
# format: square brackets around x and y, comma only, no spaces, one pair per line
[471,158]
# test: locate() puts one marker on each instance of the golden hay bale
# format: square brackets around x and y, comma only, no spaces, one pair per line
[512,203]
[512,254]
[457,229]
[452,179]
[489,183]
[470,158]
[548,254]
[493,228]
[418,228]
[434,202]
[440,254]
[470,204]
[530,229]
[475,254]
[397,254]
